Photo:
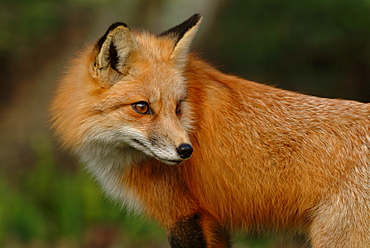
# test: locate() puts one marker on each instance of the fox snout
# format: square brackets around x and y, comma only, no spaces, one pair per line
[176,156]
[161,147]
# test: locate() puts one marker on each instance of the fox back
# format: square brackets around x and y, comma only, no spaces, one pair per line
[204,153]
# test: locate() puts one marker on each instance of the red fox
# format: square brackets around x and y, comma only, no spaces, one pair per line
[205,153]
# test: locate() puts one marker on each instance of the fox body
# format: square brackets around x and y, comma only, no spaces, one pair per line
[203,152]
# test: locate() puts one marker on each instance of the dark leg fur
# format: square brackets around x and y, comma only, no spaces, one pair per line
[198,232]
[187,233]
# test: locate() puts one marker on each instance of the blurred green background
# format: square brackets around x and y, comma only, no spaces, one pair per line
[318,47]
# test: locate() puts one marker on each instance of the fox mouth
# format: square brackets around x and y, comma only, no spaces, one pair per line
[149,152]
[170,162]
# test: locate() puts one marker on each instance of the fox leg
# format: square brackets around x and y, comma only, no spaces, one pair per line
[198,231]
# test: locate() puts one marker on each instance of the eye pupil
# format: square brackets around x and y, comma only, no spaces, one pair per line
[178,107]
[141,107]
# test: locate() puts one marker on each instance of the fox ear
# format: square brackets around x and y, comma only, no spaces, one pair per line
[115,49]
[182,35]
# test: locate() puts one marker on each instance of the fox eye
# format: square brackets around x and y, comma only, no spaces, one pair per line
[178,109]
[142,108]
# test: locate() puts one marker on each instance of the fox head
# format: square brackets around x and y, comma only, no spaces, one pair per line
[128,92]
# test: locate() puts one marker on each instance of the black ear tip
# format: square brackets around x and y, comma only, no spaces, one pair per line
[117,24]
[110,29]
[193,20]
[178,32]
[196,17]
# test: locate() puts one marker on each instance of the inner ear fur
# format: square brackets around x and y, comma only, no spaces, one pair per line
[114,51]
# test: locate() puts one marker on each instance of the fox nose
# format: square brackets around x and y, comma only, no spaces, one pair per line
[184,151]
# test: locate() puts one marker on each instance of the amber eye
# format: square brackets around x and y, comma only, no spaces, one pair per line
[141,108]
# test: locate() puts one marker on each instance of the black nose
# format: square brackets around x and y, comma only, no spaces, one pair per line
[184,151]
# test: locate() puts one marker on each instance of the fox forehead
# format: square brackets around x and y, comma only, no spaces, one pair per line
[148,86]
[153,74]
[153,48]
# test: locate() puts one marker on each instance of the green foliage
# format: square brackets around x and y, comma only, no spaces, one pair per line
[51,204]
[25,21]
[19,217]
[320,47]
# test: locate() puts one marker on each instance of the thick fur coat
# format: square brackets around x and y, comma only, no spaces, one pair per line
[203,152]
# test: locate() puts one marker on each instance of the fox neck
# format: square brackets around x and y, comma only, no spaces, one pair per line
[107,166]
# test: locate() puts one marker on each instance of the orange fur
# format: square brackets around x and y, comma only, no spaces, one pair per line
[264,158]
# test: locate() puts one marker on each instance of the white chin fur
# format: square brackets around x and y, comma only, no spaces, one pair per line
[107,167]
